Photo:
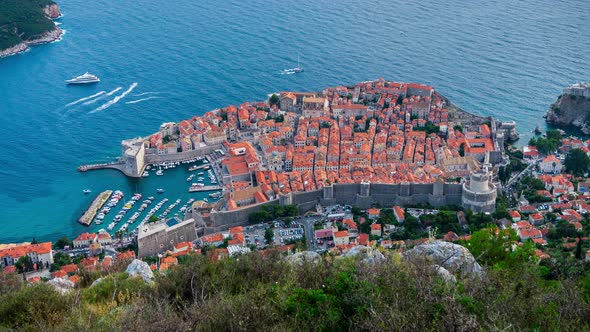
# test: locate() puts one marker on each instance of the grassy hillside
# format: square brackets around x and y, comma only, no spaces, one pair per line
[267,293]
[22,20]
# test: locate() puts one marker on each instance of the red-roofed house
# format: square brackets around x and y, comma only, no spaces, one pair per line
[376,229]
[373,213]
[550,165]
[399,214]
[536,219]
[514,215]
[84,240]
[341,237]
[362,239]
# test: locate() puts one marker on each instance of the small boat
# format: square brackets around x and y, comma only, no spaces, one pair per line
[111,226]
[159,172]
[190,178]
[294,70]
[160,190]
[145,174]
[87,191]
[86,78]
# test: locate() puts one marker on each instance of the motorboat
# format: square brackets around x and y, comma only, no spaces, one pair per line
[87,191]
[86,78]
[160,190]
[159,172]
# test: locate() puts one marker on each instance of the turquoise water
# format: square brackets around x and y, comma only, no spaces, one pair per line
[503,58]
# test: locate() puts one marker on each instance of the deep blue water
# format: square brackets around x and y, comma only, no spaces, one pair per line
[509,59]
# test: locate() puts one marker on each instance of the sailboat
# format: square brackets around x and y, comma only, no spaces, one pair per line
[295,70]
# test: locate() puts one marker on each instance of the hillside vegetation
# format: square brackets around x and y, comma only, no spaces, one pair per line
[257,292]
[22,20]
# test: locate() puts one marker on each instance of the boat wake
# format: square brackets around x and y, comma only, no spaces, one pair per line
[146,93]
[85,98]
[116,99]
[102,97]
[140,100]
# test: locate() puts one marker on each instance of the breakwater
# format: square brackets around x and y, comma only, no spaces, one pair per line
[96,205]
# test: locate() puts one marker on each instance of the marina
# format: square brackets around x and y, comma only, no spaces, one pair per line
[96,205]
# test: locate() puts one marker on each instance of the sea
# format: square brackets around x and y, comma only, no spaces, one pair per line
[163,61]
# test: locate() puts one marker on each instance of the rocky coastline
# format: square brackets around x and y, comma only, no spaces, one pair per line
[51,11]
[570,110]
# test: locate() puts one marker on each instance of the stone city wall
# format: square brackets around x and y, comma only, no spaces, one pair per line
[385,195]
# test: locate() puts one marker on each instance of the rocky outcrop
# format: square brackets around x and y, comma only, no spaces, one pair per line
[570,110]
[453,257]
[61,285]
[142,269]
[303,257]
[44,38]
[52,11]
[18,48]
[365,254]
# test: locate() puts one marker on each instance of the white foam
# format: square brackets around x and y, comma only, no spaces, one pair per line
[85,98]
[116,99]
[146,93]
[140,100]
[102,97]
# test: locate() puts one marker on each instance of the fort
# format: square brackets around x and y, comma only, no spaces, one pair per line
[374,143]
[365,195]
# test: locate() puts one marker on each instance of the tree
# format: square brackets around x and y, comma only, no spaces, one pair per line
[269,235]
[577,162]
[494,247]
[62,242]
[24,264]
[462,150]
[273,100]
[259,217]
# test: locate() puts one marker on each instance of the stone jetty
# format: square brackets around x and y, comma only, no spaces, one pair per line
[96,205]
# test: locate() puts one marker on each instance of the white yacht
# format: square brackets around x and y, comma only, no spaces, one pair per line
[159,172]
[84,79]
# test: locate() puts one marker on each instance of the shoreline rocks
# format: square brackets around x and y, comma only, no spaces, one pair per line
[570,110]
[51,11]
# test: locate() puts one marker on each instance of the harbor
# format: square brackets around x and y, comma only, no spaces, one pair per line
[160,193]
[96,205]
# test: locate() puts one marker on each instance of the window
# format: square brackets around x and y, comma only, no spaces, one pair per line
[182,237]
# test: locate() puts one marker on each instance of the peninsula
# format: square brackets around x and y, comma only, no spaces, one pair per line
[27,22]
[572,108]
[376,142]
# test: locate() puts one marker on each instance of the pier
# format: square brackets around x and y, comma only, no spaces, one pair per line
[118,165]
[96,205]
[205,188]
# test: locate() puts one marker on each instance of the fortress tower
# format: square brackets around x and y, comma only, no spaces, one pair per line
[479,193]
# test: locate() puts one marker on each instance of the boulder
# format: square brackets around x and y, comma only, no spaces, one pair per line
[443,273]
[96,282]
[365,254]
[140,268]
[305,257]
[61,285]
[453,257]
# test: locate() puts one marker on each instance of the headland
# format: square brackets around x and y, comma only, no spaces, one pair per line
[572,108]
[376,142]
[25,23]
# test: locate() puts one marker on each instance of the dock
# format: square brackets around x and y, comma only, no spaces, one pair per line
[96,205]
[200,167]
[205,188]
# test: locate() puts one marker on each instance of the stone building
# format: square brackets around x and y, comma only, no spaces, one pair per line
[479,193]
[156,238]
[133,156]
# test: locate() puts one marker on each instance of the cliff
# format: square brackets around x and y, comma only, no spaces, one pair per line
[570,110]
[27,22]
